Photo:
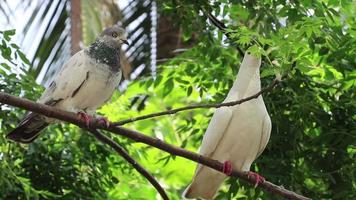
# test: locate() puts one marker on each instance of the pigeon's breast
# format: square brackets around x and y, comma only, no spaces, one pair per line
[96,89]
[242,137]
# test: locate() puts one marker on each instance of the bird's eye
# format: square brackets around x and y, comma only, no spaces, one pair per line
[114,34]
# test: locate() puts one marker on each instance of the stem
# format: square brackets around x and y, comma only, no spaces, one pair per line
[191,107]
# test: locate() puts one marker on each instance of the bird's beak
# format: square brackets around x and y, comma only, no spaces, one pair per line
[125,41]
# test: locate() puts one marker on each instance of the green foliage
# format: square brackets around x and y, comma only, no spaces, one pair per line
[313,141]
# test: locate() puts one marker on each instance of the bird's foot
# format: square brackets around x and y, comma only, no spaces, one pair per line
[227,168]
[84,117]
[104,121]
[259,179]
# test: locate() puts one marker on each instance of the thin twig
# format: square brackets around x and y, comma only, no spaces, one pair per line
[222,27]
[139,137]
[191,107]
[104,139]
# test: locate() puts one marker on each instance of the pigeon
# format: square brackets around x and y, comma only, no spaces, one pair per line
[85,82]
[236,135]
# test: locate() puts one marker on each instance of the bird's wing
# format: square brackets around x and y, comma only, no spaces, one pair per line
[206,181]
[68,81]
[216,129]
[266,133]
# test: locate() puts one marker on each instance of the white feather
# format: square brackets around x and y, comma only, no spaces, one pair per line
[82,84]
[238,134]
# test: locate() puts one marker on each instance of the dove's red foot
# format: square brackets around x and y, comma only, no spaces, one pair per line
[259,179]
[84,117]
[104,121]
[227,168]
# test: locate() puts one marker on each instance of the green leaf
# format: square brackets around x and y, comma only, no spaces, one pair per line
[179,80]
[149,82]
[267,72]
[311,44]
[23,57]
[323,51]
[184,143]
[6,53]
[158,80]
[189,90]
[15,46]
[168,87]
[9,33]
[319,40]
[195,131]
[6,66]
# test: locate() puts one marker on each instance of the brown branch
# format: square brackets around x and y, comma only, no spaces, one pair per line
[76,26]
[191,107]
[104,139]
[139,137]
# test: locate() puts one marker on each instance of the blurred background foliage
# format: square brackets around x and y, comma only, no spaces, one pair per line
[179,58]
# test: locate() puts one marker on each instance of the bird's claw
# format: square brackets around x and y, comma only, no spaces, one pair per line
[104,121]
[87,119]
[259,179]
[84,117]
[227,168]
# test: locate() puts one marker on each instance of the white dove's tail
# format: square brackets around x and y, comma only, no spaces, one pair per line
[205,184]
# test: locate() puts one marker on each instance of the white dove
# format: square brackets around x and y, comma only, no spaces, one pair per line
[84,83]
[236,135]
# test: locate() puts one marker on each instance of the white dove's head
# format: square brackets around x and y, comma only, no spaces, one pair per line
[114,36]
[252,60]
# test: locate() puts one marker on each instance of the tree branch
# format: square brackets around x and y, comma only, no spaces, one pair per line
[191,107]
[139,137]
[222,27]
[121,151]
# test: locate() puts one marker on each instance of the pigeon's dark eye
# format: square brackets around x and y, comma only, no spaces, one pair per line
[114,34]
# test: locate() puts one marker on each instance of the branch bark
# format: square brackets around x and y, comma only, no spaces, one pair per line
[191,107]
[76,27]
[139,137]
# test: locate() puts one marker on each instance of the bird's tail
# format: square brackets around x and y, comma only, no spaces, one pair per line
[205,184]
[28,129]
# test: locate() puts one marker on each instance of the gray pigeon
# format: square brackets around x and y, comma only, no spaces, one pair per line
[84,83]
